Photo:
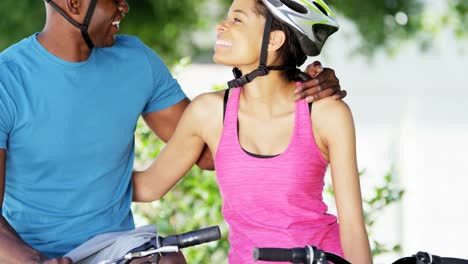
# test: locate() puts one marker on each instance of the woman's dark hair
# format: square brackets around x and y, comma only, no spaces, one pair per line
[290,54]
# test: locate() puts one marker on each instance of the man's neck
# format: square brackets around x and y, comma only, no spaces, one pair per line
[68,45]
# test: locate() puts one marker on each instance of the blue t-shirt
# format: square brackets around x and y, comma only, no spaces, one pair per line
[68,130]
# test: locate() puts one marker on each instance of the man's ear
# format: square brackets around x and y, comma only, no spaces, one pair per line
[277,39]
[74,6]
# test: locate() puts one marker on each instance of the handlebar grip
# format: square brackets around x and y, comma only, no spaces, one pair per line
[432,260]
[444,260]
[454,261]
[192,238]
[295,255]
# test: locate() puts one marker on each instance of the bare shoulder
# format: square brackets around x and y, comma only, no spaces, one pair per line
[207,104]
[207,107]
[331,119]
[210,98]
[330,108]
[330,105]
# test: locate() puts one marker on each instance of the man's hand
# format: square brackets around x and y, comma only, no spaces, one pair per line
[64,260]
[173,258]
[324,83]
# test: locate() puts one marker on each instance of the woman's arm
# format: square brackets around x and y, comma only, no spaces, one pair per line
[337,127]
[163,123]
[175,160]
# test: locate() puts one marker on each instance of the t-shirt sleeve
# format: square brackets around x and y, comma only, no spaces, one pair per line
[6,116]
[166,90]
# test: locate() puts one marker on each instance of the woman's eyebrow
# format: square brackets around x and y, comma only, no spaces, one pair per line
[240,11]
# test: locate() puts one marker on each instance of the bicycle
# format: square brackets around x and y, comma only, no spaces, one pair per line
[306,255]
[154,249]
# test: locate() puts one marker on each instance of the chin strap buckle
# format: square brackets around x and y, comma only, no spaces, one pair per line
[236,72]
[262,70]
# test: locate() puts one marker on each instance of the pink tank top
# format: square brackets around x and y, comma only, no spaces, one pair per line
[276,201]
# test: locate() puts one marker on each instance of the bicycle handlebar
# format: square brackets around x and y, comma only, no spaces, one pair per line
[280,254]
[307,255]
[191,238]
[170,244]
[426,258]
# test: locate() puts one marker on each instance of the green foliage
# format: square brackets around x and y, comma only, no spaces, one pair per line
[167,25]
[377,23]
[457,16]
[19,19]
[383,196]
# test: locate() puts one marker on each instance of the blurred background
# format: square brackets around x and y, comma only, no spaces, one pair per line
[403,63]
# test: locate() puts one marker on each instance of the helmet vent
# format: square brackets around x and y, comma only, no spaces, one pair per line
[320,7]
[295,6]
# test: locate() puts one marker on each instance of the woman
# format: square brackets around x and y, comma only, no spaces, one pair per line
[270,153]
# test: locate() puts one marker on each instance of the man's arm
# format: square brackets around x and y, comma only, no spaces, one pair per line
[12,248]
[163,123]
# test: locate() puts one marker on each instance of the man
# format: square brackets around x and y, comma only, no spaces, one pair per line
[70,98]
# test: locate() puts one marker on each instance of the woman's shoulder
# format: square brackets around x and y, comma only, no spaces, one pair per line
[210,97]
[209,100]
[330,108]
[331,118]
[207,104]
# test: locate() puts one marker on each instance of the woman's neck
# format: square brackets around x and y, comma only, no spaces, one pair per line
[269,94]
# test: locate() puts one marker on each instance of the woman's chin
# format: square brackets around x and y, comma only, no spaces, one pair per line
[221,60]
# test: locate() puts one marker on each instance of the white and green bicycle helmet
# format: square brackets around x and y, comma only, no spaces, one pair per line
[312,21]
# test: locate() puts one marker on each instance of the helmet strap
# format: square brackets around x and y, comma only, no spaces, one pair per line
[262,69]
[82,27]
[266,40]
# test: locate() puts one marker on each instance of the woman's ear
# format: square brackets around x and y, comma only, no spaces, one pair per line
[277,39]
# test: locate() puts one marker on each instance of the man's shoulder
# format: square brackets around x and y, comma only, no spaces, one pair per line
[14,52]
[13,58]
[129,42]
[135,50]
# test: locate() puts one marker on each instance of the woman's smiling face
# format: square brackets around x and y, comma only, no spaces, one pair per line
[240,35]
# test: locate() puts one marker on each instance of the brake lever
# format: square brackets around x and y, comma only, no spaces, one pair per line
[141,254]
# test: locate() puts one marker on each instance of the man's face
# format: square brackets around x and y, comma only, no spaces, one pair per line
[106,20]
